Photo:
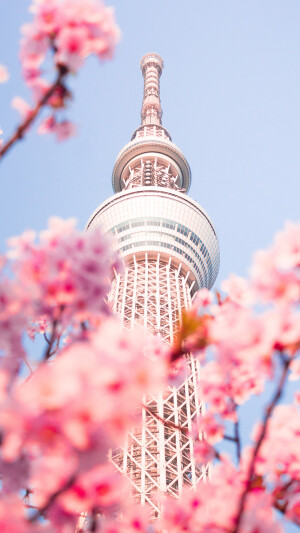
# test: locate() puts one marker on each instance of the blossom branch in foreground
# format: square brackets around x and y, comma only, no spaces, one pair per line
[65,32]
[33,114]
[268,413]
[40,512]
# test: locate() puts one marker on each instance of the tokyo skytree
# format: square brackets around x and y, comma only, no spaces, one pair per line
[170,250]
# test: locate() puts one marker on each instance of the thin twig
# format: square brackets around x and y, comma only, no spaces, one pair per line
[228,437]
[40,512]
[262,434]
[21,129]
[237,437]
[49,352]
[165,422]
[94,521]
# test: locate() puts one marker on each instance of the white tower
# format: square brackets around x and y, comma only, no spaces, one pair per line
[170,249]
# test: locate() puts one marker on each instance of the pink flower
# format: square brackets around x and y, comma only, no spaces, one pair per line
[202,300]
[107,376]
[67,273]
[212,429]
[293,509]
[4,74]
[280,451]
[287,246]
[68,31]
[21,106]
[275,272]
[63,130]
[71,44]
[238,290]
[295,369]
[204,452]
[102,487]
[49,16]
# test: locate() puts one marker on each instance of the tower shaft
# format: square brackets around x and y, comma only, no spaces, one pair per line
[170,250]
[158,456]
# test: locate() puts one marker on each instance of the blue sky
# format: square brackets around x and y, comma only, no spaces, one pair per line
[230,95]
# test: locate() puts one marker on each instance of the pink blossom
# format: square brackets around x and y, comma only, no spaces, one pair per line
[14,308]
[295,369]
[49,17]
[67,273]
[213,507]
[204,452]
[63,130]
[275,272]
[66,31]
[202,300]
[293,509]
[134,519]
[287,246]
[101,487]
[280,452]
[12,518]
[238,290]
[21,106]
[71,44]
[212,429]
[107,378]
[4,74]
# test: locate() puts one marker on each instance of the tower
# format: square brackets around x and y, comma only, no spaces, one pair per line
[170,249]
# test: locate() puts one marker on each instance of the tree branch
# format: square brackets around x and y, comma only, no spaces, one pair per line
[237,437]
[21,129]
[40,512]
[262,434]
[165,422]
[48,352]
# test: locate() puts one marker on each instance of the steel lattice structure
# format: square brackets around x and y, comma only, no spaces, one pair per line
[170,250]
[155,456]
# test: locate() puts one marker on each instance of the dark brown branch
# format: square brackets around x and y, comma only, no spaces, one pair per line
[268,413]
[40,512]
[165,422]
[228,437]
[237,437]
[49,352]
[21,129]
[94,521]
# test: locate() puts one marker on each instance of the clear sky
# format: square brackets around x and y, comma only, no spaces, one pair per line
[230,95]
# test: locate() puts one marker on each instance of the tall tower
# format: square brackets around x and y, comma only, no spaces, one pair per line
[170,249]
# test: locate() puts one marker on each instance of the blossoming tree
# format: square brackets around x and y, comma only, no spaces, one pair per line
[63,410]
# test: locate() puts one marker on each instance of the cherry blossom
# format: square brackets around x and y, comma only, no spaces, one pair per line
[70,31]
[62,33]
[21,106]
[60,419]
[65,275]
[4,74]
[212,507]
[275,272]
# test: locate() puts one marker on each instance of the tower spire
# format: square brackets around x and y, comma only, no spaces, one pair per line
[151,66]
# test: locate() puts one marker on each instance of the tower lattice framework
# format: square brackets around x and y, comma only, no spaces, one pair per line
[170,250]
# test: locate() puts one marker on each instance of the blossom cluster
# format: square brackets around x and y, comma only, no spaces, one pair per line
[65,32]
[52,283]
[242,344]
[59,421]
[212,507]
